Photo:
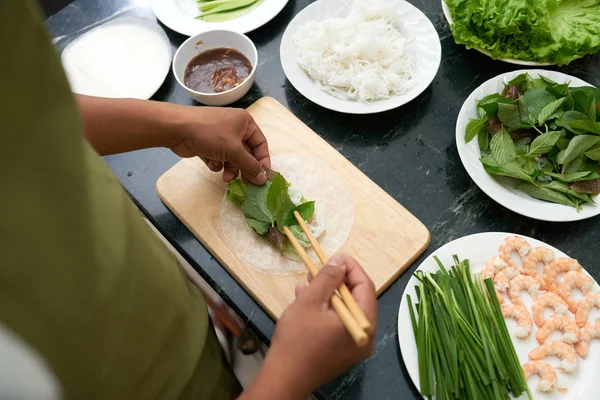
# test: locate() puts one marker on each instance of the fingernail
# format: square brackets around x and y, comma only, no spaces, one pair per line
[335,261]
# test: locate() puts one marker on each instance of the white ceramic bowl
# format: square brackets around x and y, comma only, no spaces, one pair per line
[211,40]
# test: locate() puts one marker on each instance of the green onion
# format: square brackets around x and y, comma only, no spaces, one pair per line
[464,348]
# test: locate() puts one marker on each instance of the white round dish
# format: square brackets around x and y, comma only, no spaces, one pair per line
[423,42]
[448,16]
[502,189]
[210,40]
[128,57]
[179,15]
[479,249]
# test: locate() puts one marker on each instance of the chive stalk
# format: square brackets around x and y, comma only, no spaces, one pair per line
[464,348]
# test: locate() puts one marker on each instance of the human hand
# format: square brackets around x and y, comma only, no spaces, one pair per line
[311,345]
[225,139]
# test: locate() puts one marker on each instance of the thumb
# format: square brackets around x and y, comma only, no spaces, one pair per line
[250,167]
[328,279]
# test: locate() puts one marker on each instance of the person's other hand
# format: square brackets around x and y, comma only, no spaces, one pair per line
[225,139]
[311,345]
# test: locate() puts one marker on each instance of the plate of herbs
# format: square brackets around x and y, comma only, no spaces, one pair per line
[530,140]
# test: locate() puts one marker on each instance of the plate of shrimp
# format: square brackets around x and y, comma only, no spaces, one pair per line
[550,304]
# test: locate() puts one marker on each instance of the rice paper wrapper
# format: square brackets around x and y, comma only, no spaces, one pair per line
[317,181]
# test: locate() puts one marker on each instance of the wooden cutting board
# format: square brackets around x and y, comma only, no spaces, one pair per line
[385,238]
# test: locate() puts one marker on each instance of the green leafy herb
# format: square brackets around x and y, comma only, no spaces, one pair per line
[503,148]
[490,103]
[593,154]
[269,208]
[564,188]
[512,170]
[550,110]
[585,126]
[536,100]
[577,146]
[509,114]
[575,176]
[474,127]
[567,119]
[543,143]
[544,193]
[236,192]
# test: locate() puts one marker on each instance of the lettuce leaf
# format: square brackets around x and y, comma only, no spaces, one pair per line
[557,31]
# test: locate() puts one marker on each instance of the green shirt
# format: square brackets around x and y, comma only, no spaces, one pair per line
[83,279]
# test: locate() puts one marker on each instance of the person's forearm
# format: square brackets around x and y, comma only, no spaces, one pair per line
[276,381]
[120,125]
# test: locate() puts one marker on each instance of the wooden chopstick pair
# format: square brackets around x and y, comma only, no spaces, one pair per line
[342,301]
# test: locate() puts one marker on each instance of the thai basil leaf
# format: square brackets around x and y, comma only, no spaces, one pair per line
[509,114]
[550,110]
[577,146]
[503,147]
[546,194]
[474,127]
[543,143]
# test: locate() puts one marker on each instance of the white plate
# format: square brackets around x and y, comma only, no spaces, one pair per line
[179,15]
[503,189]
[448,16]
[128,57]
[420,33]
[479,249]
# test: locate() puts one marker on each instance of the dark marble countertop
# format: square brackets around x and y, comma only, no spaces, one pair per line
[410,152]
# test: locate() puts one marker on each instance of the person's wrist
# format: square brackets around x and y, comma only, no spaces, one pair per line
[282,374]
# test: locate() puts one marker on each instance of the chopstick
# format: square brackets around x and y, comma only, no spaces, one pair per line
[358,334]
[352,305]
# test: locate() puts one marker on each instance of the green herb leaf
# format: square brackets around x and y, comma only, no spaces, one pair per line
[543,143]
[278,185]
[236,192]
[512,170]
[550,110]
[529,166]
[522,146]
[586,126]
[593,154]
[564,188]
[283,210]
[474,127]
[306,210]
[574,176]
[490,103]
[256,209]
[261,227]
[559,91]
[547,80]
[503,148]
[577,146]
[546,194]
[536,100]
[568,118]
[520,81]
[483,138]
[508,114]
[300,235]
[524,111]
[592,110]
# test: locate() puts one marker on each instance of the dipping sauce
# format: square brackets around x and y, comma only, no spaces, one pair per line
[216,70]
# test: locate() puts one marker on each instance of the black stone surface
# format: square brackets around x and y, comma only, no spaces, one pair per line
[410,152]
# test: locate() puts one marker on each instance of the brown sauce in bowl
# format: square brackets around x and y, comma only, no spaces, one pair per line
[217,70]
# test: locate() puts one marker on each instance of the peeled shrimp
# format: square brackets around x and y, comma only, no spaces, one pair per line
[574,280]
[520,283]
[513,244]
[561,323]
[535,256]
[565,352]
[492,267]
[584,307]
[503,277]
[523,318]
[546,373]
[547,300]
[556,267]
[586,334]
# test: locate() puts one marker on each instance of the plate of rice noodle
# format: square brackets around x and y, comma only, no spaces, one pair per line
[361,56]
[531,330]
